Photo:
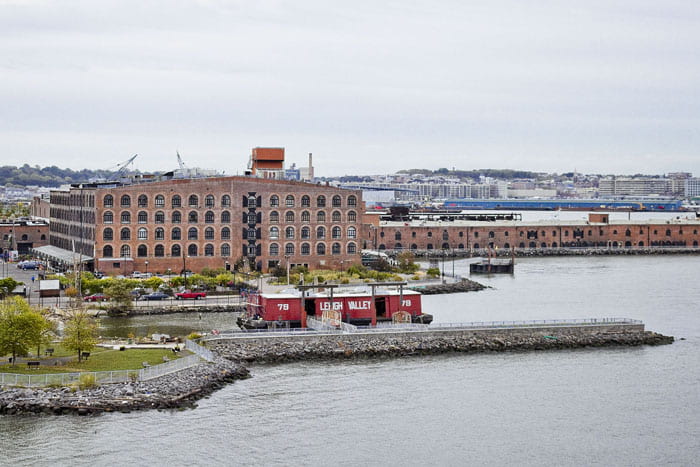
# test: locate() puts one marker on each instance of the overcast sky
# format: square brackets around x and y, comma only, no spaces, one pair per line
[367,86]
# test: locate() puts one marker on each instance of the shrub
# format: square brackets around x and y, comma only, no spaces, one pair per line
[87,381]
[433,272]
[194,336]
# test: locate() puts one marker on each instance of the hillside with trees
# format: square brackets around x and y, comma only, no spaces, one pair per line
[47,176]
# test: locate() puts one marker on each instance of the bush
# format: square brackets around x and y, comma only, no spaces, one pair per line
[433,272]
[194,336]
[87,381]
[415,277]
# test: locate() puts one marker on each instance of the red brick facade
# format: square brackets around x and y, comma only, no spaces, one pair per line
[209,222]
[473,235]
[23,235]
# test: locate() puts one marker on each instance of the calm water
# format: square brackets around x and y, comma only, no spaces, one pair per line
[638,406]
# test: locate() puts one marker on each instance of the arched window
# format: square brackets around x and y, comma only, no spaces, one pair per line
[142,251]
[446,236]
[289,233]
[208,249]
[159,251]
[125,251]
[305,233]
[320,216]
[160,201]
[108,234]
[289,249]
[192,250]
[335,216]
[125,201]
[160,233]
[397,236]
[108,217]
[126,217]
[321,201]
[193,201]
[352,200]
[306,216]
[321,232]
[274,217]
[445,246]
[274,233]
[177,217]
[160,217]
[274,249]
[209,234]
[43,237]
[397,246]
[209,217]
[225,217]
[107,251]
[289,216]
[225,249]
[414,246]
[192,233]
[335,249]
[176,201]
[192,217]
[226,201]
[352,216]
[142,217]
[176,234]
[142,234]
[336,201]
[108,202]
[289,201]
[125,234]
[209,202]
[175,250]
[305,249]
[429,246]
[352,233]
[142,201]
[305,201]
[352,248]
[274,201]
[321,249]
[225,233]
[336,232]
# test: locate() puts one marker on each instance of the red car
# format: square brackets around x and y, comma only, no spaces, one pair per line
[189,294]
[98,297]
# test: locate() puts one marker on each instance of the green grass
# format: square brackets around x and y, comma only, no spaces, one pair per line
[101,360]
[58,351]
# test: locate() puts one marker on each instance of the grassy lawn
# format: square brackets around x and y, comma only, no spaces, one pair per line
[102,360]
[58,351]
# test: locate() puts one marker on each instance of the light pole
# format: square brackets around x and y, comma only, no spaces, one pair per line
[146,267]
[286,257]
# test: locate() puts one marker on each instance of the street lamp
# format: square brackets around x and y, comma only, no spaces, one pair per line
[286,257]
[146,267]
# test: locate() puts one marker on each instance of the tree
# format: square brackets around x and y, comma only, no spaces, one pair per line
[7,285]
[21,326]
[406,263]
[80,333]
[120,293]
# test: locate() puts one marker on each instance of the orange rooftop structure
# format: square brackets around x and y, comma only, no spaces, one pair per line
[267,163]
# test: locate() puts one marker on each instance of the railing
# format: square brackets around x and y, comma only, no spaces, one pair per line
[199,350]
[170,367]
[536,323]
[318,325]
[109,377]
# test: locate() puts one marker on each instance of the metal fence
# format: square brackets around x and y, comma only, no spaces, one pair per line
[109,377]
[197,349]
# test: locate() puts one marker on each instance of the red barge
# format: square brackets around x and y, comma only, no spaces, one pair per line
[365,306]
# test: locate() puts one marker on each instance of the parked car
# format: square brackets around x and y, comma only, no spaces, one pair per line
[189,294]
[137,293]
[156,296]
[97,297]
[28,265]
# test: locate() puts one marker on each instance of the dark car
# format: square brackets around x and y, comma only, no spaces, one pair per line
[97,297]
[156,296]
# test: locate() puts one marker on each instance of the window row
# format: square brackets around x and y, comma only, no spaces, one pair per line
[289,216]
[175,234]
[159,251]
[159,217]
[305,232]
[159,201]
[305,201]
[320,250]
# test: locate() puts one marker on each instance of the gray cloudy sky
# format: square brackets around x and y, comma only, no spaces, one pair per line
[600,86]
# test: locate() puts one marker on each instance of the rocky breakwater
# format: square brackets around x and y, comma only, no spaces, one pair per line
[278,350]
[179,389]
[465,285]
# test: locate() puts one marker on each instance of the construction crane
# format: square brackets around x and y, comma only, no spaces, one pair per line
[183,168]
[119,170]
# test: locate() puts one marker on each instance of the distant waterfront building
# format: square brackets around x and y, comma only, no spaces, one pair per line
[639,186]
[692,187]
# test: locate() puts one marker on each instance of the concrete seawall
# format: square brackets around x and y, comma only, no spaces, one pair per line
[285,348]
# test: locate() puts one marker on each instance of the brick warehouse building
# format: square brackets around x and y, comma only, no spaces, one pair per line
[195,223]
[473,235]
[22,235]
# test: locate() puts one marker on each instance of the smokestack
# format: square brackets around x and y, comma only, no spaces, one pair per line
[310,161]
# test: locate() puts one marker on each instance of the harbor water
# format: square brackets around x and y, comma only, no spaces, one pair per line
[611,406]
